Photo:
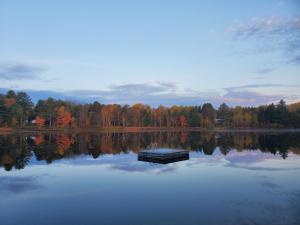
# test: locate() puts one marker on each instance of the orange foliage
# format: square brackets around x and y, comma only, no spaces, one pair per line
[106,115]
[294,107]
[40,121]
[64,117]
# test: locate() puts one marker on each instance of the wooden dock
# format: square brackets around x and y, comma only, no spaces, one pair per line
[163,156]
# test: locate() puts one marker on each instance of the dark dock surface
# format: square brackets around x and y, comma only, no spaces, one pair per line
[163,156]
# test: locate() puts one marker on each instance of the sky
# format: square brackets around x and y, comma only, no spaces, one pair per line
[155,52]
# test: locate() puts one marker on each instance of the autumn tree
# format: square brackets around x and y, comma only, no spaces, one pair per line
[135,113]
[63,117]
[40,121]
[160,115]
[238,116]
[107,115]
[17,109]
[47,109]
[83,116]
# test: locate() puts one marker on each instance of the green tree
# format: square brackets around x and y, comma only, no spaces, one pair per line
[225,115]
[24,101]
[209,115]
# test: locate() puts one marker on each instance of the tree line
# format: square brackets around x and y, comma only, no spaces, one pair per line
[17,110]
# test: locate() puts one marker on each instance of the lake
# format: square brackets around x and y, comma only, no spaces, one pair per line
[86,179]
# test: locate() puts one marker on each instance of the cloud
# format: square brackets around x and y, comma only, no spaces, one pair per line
[270,185]
[252,94]
[143,88]
[273,25]
[155,93]
[19,71]
[249,98]
[168,94]
[273,33]
[258,168]
[255,86]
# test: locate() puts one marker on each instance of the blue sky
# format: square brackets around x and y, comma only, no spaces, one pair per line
[156,52]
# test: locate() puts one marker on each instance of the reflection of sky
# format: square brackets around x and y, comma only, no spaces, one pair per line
[18,184]
[128,162]
[118,189]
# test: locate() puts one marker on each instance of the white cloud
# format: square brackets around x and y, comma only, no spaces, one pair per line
[273,33]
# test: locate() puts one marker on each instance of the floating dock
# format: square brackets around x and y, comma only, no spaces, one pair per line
[163,156]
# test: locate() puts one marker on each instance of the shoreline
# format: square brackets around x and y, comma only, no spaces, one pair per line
[7,131]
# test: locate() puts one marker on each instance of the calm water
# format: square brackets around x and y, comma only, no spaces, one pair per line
[238,178]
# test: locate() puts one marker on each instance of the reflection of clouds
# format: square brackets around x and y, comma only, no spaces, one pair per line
[265,214]
[269,184]
[123,162]
[269,212]
[256,160]
[248,156]
[258,168]
[14,184]
[249,160]
[132,165]
[144,167]
[295,205]
[233,157]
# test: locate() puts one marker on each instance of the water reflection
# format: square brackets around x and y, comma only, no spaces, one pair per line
[17,151]
[14,184]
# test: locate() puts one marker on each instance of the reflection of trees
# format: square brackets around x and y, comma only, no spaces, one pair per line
[52,147]
[63,143]
[280,143]
[209,144]
[16,151]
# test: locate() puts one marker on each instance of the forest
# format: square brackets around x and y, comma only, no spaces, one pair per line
[18,111]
